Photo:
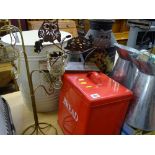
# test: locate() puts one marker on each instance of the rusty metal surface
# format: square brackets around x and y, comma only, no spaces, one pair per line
[79,43]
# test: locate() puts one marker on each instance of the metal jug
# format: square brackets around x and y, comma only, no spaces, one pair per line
[125,72]
[141,113]
[132,74]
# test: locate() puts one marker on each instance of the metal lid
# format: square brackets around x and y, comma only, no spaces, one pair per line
[97,88]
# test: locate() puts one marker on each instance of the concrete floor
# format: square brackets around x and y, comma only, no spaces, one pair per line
[23,117]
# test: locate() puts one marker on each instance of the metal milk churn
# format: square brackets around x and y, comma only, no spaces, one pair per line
[125,72]
[141,114]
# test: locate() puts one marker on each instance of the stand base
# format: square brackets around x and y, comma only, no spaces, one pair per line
[37,129]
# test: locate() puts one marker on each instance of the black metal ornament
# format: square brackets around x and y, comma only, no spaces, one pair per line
[38,46]
[48,32]
[83,44]
[79,43]
[55,54]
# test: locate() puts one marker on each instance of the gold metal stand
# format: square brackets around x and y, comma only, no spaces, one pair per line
[37,128]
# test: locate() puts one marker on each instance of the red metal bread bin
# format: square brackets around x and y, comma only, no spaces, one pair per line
[92,103]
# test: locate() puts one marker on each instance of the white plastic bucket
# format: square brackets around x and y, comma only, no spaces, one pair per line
[44,102]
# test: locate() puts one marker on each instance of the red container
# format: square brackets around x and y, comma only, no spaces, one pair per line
[92,103]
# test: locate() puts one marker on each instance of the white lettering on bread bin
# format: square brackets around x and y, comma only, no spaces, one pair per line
[70,110]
